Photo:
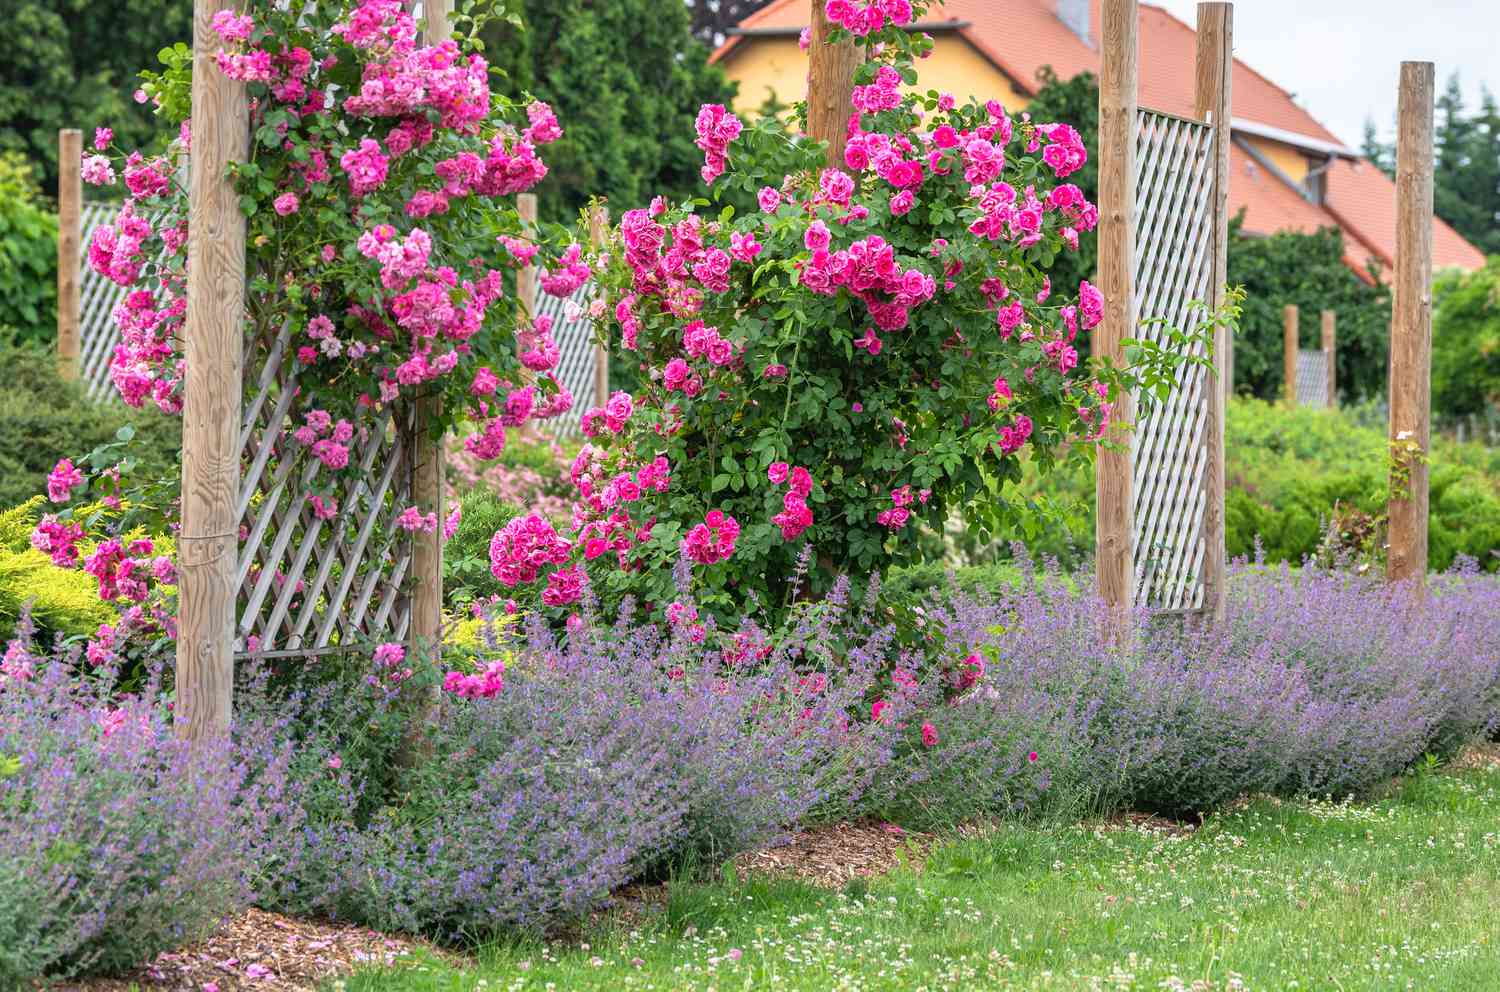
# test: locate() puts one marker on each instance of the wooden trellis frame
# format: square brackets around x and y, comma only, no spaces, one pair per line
[256,561]
[1162,246]
[305,585]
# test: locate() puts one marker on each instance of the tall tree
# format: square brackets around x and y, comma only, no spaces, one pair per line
[1470,197]
[1454,140]
[72,63]
[712,19]
[1378,153]
[626,79]
[1466,173]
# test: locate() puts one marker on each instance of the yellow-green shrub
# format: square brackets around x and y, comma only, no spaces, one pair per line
[62,601]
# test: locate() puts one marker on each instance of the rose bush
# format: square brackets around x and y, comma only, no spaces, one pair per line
[381,246]
[873,347]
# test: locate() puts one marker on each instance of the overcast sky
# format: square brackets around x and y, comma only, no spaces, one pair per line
[1341,58]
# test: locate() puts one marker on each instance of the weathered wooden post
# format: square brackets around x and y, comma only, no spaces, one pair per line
[1215,69]
[1411,328]
[1289,337]
[1330,355]
[426,633]
[1115,518]
[598,234]
[69,235]
[207,543]
[830,84]
[526,278]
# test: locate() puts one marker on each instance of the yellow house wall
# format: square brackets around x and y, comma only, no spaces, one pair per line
[1286,158]
[765,65]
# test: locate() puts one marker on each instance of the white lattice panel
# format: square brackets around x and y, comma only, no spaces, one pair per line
[1312,379]
[304,585]
[576,367]
[1174,250]
[98,297]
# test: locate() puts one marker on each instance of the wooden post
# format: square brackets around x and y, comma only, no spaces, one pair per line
[1214,71]
[209,537]
[830,86]
[1226,367]
[1330,356]
[1115,527]
[1411,327]
[1289,351]
[598,234]
[526,278]
[425,636]
[69,234]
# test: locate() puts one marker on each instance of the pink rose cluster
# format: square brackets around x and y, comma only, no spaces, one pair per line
[483,684]
[869,270]
[896,516]
[539,351]
[713,540]
[328,440]
[390,669]
[716,128]
[522,548]
[125,571]
[795,516]
[58,539]
[571,273]
[62,480]
[615,414]
[866,18]
[117,251]
[413,520]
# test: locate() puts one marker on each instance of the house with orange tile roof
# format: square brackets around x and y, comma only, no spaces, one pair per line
[1287,171]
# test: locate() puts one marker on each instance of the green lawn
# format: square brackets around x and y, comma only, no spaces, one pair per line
[1397,894]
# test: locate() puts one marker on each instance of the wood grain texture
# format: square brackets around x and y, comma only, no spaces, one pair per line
[212,393]
[599,234]
[426,633]
[1330,351]
[69,235]
[830,86]
[526,278]
[1117,139]
[1411,321]
[1289,348]
[1214,69]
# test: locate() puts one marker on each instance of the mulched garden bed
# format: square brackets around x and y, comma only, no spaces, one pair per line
[266,952]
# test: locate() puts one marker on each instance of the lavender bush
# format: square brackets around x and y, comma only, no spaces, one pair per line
[638,746]
[621,751]
[116,840]
[1320,682]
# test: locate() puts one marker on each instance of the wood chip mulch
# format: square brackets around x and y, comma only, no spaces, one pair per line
[833,854]
[264,952]
[1477,757]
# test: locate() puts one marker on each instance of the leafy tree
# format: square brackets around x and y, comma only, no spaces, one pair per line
[1308,270]
[1466,342]
[626,79]
[28,255]
[72,63]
